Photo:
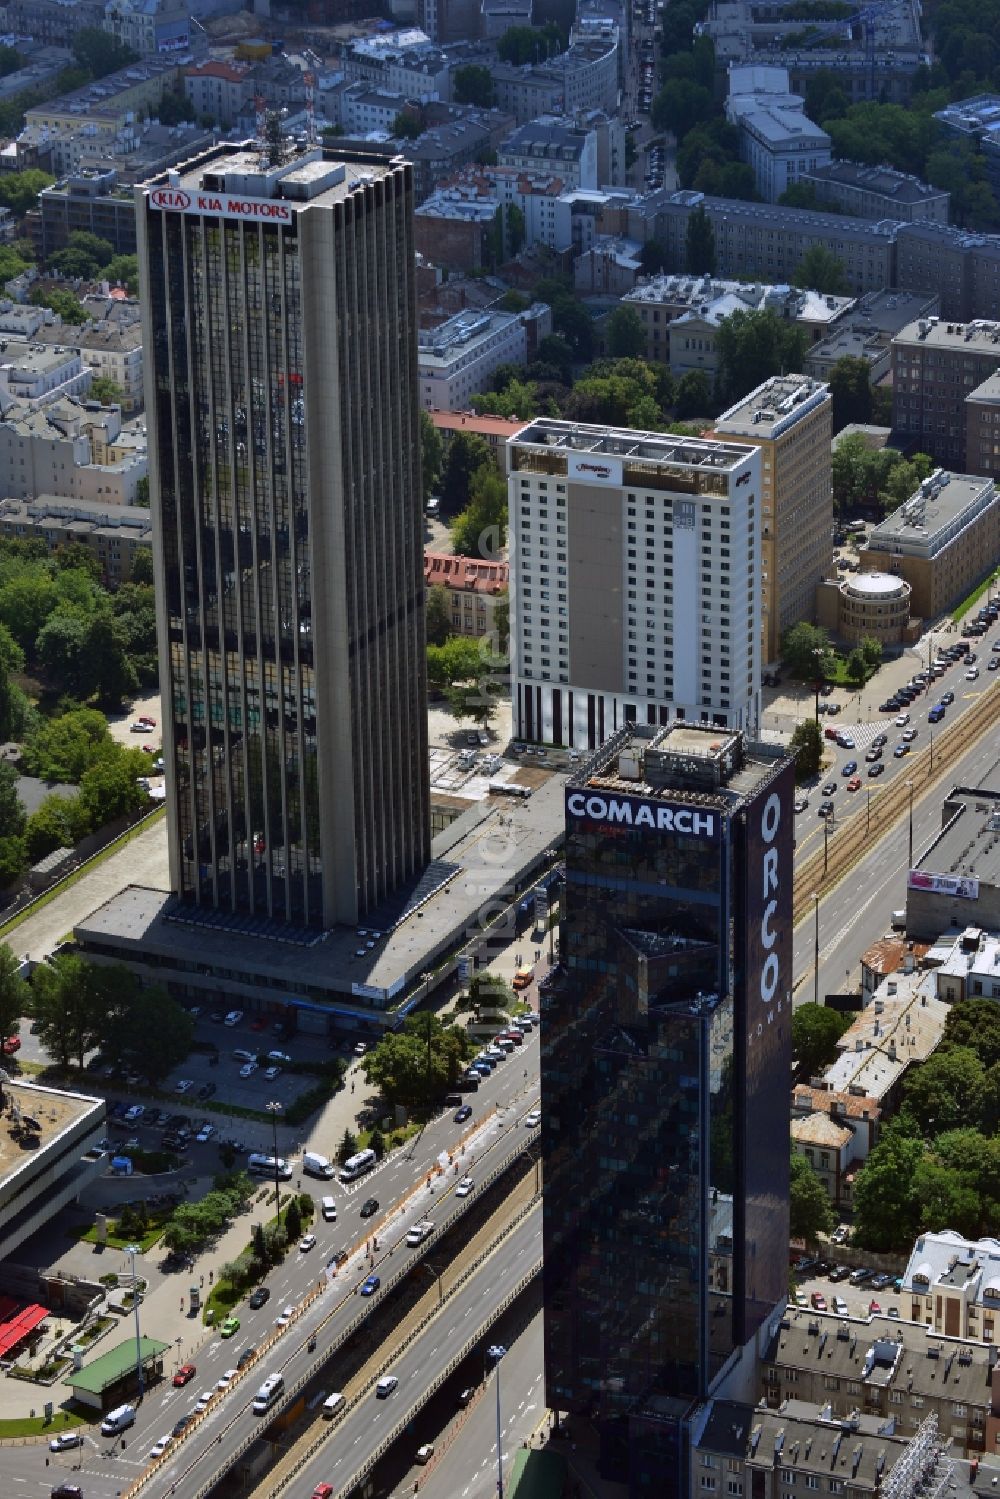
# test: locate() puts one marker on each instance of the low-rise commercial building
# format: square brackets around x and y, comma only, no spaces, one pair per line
[790,419]
[89,201]
[935,365]
[48,1156]
[474,587]
[866,605]
[955,889]
[943,541]
[877,192]
[115,534]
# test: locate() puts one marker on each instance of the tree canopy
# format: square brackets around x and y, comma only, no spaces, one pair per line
[699,243]
[806,652]
[815,1033]
[809,1211]
[473,84]
[820,270]
[626,336]
[751,347]
[417,1065]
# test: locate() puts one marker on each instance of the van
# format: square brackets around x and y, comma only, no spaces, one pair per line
[264,1165]
[523,977]
[118,1420]
[242,1055]
[329,1209]
[899,921]
[332,1404]
[269,1393]
[314,1164]
[840,1306]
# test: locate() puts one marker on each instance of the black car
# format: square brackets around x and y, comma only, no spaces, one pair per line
[462,1114]
[369,1206]
[67,1491]
[246,1356]
[825,809]
[875,770]
[840,1272]
[259,1297]
[180,1424]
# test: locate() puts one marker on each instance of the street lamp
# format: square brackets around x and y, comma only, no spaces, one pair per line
[909,865]
[816,950]
[495,1352]
[826,842]
[274,1109]
[132,1250]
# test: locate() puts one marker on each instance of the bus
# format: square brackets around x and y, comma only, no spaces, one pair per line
[270,1391]
[509,788]
[357,1165]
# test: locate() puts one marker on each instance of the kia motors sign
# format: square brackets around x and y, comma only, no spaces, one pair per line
[594,468]
[220,205]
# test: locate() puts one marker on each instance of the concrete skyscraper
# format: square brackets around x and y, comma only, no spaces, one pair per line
[280,335]
[665,1060]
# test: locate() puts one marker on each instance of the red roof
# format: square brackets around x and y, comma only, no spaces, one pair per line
[225,70]
[17,1328]
[486,426]
[466,573]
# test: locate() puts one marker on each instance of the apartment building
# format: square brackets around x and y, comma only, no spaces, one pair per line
[456,359]
[88,200]
[777,138]
[835,1132]
[219,91]
[877,192]
[458,229]
[790,418]
[961,267]
[67,450]
[635,589]
[867,329]
[149,27]
[943,541]
[114,534]
[474,586]
[935,365]
[951,1285]
[585,76]
[549,145]
[982,427]
[768,241]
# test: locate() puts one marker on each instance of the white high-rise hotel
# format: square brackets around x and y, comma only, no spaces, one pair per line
[635,593]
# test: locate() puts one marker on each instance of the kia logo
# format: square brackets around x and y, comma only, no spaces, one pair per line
[170,197]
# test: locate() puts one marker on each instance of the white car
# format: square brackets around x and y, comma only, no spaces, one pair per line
[972,674]
[801,803]
[160,1447]
[226,1380]
[205,1400]
[248,1069]
[205,1133]
[271,1073]
[66,1441]
[386,1385]
[284,1317]
[360,1049]
[140,728]
[902,719]
[307,1242]
[134,1113]
[464,1187]
[184,1086]
[534,1119]
[234,1017]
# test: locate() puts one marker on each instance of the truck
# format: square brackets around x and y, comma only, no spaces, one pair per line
[418,1233]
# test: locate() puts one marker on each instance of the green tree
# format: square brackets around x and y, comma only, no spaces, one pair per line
[694,394]
[515,228]
[13,861]
[111,677]
[856,667]
[438,615]
[63,748]
[751,347]
[699,243]
[806,652]
[58,822]
[946,1091]
[820,270]
[871,650]
[407,126]
[466,454]
[572,321]
[809,1211]
[12,817]
[100,53]
[530,44]
[293,1221]
[851,392]
[815,1033]
[458,660]
[481,528]
[653,258]
[124,270]
[58,1006]
[19,190]
[175,108]
[142,567]
[14,993]
[886,1213]
[62,302]
[142,491]
[347,1147]
[259,1244]
[806,748]
[106,390]
[799,195]
[824,97]
[501,623]
[416,1065]
[626,336]
[431,455]
[679,105]
[157,1034]
[111,789]
[974,1024]
[473,84]
[376,1142]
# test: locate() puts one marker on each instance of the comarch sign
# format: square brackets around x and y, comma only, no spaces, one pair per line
[633,812]
[222,205]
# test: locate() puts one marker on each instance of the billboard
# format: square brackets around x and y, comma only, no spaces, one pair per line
[222,205]
[593,468]
[643,812]
[763,1040]
[964,886]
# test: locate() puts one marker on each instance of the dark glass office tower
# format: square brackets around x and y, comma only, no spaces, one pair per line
[279,329]
[665,1065]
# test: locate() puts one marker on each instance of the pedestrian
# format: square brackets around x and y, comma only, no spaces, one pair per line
[202,1280]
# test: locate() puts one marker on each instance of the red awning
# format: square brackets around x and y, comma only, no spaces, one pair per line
[17,1328]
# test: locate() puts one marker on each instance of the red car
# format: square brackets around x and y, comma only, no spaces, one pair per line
[819,1301]
[322,1491]
[854,784]
[12,1044]
[145,718]
[874,1309]
[259,1024]
[184,1373]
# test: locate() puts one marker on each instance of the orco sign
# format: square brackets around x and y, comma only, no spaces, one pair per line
[221,205]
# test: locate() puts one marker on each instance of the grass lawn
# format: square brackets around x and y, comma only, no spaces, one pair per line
[37,1426]
[115,1240]
[837,673]
[223,1296]
[973,598]
[394,1138]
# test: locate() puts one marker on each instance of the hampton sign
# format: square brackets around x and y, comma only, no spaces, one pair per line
[221,205]
[632,812]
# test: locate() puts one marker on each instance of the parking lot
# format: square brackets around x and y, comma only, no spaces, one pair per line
[816,1282]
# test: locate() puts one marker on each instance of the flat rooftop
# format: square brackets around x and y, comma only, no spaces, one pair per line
[478,863]
[934,515]
[968,845]
[773,407]
[52,1108]
[622,442]
[317,175]
[934,333]
[700,764]
[988,393]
